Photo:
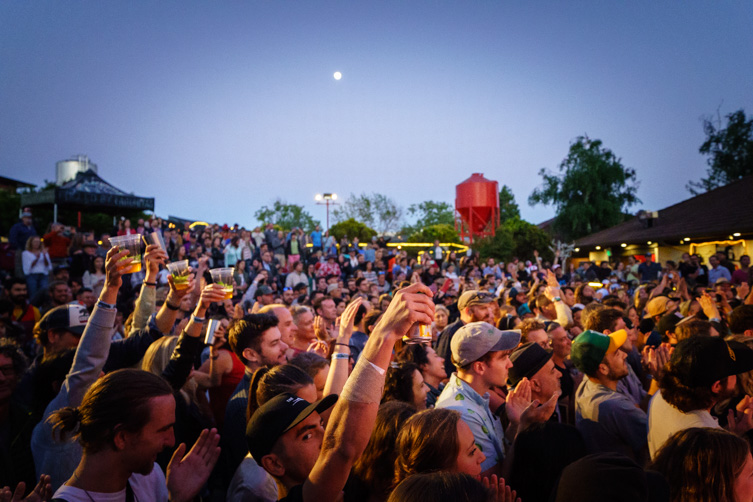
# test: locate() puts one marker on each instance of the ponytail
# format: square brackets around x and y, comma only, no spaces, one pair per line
[64,421]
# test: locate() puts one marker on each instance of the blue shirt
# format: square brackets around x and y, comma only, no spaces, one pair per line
[316,239]
[610,421]
[474,410]
[718,273]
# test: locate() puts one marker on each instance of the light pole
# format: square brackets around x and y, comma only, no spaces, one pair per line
[325,199]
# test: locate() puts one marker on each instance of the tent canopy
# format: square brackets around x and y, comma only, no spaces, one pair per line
[88,191]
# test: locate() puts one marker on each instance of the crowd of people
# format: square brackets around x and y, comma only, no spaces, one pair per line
[341,370]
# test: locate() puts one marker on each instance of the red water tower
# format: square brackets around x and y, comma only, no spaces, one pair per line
[476,207]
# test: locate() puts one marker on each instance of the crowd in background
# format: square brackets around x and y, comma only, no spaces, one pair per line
[535,379]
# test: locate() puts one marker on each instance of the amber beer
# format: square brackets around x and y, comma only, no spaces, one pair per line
[419,333]
[224,278]
[180,272]
[132,244]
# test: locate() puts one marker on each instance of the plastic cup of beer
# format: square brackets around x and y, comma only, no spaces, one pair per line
[224,277]
[132,244]
[155,237]
[180,272]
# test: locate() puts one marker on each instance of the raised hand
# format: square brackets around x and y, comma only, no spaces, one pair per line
[656,359]
[178,294]
[319,347]
[499,490]
[154,257]
[410,305]
[742,421]
[320,329]
[518,400]
[537,412]
[345,321]
[210,294]
[742,290]
[187,474]
[114,267]
[41,492]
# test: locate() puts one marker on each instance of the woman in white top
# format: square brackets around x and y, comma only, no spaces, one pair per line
[94,278]
[36,264]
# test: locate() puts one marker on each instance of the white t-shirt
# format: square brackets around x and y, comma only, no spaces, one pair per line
[664,420]
[149,488]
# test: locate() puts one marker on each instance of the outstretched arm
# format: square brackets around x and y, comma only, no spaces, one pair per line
[352,420]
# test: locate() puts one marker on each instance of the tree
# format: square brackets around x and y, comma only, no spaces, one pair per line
[429,213]
[591,192]
[515,237]
[376,211]
[730,152]
[441,232]
[351,228]
[286,216]
[508,208]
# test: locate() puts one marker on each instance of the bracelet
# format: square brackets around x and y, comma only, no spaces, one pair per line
[198,319]
[343,344]
[153,284]
[339,355]
[557,299]
[172,307]
[105,305]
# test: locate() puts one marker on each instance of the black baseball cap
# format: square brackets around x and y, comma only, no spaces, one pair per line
[702,360]
[276,417]
[527,360]
[70,317]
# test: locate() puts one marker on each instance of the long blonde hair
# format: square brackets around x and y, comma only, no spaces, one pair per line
[155,361]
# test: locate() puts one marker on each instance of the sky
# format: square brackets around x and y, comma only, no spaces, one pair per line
[218,108]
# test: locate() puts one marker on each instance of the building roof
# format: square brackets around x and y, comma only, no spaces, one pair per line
[15,183]
[715,214]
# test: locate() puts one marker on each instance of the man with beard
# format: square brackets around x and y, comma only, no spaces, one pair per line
[608,420]
[473,307]
[702,371]
[60,294]
[23,313]
[124,421]
[257,341]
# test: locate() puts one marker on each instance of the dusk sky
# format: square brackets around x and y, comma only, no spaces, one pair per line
[218,108]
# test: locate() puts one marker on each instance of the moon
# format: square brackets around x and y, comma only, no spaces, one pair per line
[338,75]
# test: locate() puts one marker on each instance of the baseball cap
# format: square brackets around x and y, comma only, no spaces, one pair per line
[524,310]
[264,290]
[276,417]
[702,360]
[332,287]
[471,298]
[472,341]
[70,317]
[590,347]
[527,360]
[657,306]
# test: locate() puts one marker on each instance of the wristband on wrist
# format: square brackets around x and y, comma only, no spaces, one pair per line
[340,355]
[557,299]
[153,284]
[171,307]
[198,319]
[104,305]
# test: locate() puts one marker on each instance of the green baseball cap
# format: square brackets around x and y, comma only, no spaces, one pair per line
[590,347]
